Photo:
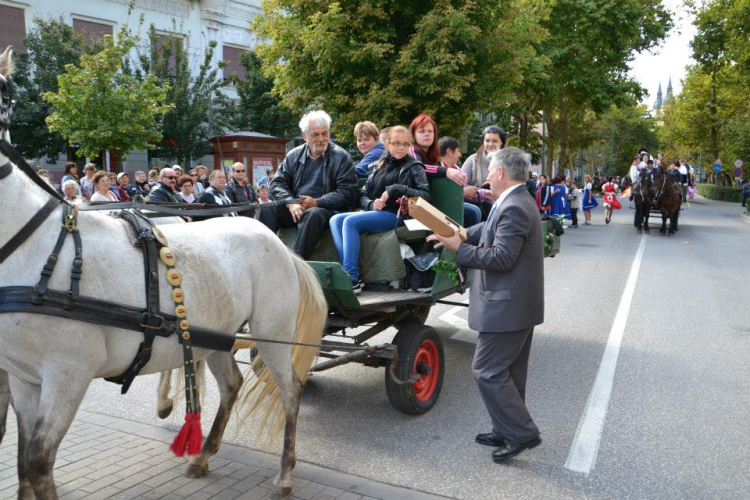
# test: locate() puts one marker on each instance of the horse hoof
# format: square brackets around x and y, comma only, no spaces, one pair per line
[164,410]
[282,484]
[640,231]
[197,471]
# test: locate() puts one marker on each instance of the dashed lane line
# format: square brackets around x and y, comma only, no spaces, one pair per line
[464,333]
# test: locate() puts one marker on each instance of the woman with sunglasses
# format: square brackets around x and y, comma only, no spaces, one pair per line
[397,174]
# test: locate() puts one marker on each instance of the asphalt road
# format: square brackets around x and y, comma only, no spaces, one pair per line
[675,423]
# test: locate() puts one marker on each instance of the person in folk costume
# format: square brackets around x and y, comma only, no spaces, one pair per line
[611,202]
[559,204]
[543,195]
[589,200]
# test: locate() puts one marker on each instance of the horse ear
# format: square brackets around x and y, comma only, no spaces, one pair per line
[6,61]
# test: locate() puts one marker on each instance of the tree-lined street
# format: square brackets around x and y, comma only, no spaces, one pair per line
[675,425]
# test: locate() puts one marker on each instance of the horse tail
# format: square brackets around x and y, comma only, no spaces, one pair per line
[310,320]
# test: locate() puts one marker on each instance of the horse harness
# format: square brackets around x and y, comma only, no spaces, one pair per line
[70,304]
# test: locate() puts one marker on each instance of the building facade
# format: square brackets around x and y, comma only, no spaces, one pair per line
[196,22]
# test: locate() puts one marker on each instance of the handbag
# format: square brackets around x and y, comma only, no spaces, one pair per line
[419,275]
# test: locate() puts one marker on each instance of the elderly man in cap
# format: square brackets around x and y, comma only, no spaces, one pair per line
[316,180]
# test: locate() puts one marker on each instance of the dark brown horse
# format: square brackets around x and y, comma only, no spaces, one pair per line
[641,193]
[666,195]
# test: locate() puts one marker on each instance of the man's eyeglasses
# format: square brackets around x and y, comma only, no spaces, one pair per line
[239,171]
[397,144]
[170,177]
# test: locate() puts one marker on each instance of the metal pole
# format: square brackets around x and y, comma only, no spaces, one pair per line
[544,149]
[701,160]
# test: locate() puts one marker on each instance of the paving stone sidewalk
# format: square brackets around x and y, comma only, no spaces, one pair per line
[103,457]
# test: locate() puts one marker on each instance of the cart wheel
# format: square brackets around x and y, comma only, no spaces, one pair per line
[417,314]
[420,351]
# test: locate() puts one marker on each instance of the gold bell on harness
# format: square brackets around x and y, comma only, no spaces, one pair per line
[178,295]
[159,236]
[166,256]
[180,311]
[174,277]
[183,324]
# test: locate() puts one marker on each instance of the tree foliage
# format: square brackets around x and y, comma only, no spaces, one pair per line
[590,46]
[185,128]
[100,107]
[258,109]
[50,46]
[712,112]
[387,61]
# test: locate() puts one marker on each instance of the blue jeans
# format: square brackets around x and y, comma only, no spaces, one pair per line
[346,228]
[472,214]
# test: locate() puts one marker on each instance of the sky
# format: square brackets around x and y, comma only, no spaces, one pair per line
[668,59]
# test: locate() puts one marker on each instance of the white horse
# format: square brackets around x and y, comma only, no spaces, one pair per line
[234,271]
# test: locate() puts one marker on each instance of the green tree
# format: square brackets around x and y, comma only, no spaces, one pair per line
[388,61]
[101,107]
[621,132]
[258,109]
[50,46]
[186,128]
[590,44]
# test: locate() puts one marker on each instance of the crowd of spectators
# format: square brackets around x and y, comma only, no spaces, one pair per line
[170,184]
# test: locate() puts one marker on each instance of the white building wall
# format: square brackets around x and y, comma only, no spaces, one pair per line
[199,21]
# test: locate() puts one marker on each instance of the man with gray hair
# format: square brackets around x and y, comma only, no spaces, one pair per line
[507,301]
[316,180]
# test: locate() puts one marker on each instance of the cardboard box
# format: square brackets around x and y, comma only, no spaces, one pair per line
[434,219]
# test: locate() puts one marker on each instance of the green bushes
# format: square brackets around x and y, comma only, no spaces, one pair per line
[721,193]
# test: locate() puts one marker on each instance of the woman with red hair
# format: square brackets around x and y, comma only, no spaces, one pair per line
[424,133]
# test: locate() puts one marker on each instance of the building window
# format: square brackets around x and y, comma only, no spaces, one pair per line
[12,28]
[232,56]
[91,31]
[177,42]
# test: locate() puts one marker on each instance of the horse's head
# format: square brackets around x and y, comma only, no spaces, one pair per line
[6,90]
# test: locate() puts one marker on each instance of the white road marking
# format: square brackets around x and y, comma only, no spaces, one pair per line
[464,333]
[585,447]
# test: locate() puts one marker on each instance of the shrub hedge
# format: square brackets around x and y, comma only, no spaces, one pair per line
[721,193]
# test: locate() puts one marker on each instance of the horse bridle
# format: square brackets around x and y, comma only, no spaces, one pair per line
[6,100]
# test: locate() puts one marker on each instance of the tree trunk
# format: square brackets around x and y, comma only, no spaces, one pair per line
[523,131]
[714,130]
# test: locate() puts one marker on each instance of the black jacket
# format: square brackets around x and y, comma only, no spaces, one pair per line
[339,181]
[241,194]
[398,177]
[162,194]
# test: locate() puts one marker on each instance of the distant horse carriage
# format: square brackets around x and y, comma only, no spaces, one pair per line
[661,194]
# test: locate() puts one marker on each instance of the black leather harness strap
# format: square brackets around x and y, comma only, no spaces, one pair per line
[105,313]
[6,170]
[28,229]
[152,318]
[16,158]
[49,267]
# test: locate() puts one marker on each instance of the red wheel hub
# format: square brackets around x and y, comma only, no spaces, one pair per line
[428,355]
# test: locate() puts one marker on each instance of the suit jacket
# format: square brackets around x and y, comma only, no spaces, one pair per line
[507,284]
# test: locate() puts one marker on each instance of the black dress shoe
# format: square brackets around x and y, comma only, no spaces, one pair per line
[489,440]
[511,450]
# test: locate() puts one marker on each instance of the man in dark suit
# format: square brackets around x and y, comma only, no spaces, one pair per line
[506,301]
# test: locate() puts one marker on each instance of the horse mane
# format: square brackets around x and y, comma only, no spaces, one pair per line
[6,61]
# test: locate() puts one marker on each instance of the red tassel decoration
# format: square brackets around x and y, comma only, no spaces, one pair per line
[190,437]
